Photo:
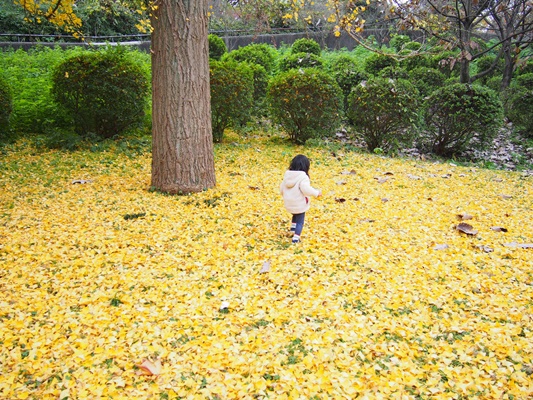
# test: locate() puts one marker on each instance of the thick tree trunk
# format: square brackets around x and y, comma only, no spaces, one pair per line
[182,152]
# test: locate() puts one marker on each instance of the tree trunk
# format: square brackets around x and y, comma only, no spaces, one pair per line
[509,64]
[182,142]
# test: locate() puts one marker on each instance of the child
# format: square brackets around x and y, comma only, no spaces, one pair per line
[296,189]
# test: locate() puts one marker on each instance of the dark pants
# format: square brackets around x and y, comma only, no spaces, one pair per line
[298,219]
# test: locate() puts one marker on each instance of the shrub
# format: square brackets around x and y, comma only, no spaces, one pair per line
[454,115]
[255,53]
[305,45]
[29,76]
[6,106]
[398,42]
[307,103]
[524,80]
[525,67]
[413,46]
[484,63]
[494,83]
[103,92]
[376,62]
[348,74]
[217,47]
[520,109]
[260,81]
[382,111]
[393,73]
[412,61]
[518,100]
[232,90]
[300,60]
[426,80]
[446,62]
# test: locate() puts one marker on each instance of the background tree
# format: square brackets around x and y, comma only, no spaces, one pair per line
[459,23]
[512,22]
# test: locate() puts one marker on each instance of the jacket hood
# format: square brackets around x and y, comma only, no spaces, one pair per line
[293,178]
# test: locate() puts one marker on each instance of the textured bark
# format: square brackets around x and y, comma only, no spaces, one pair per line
[182,153]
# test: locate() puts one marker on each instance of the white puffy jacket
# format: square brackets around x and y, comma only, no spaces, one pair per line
[296,189]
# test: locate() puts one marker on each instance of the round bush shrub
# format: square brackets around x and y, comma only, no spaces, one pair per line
[260,80]
[494,83]
[6,106]
[413,46]
[232,89]
[383,111]
[393,73]
[104,92]
[484,63]
[348,74]
[305,45]
[412,61]
[455,114]
[426,80]
[255,53]
[520,109]
[217,47]
[307,103]
[518,104]
[525,68]
[398,42]
[300,60]
[446,62]
[376,62]
[524,80]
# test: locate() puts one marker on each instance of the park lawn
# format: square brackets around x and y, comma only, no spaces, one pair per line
[383,299]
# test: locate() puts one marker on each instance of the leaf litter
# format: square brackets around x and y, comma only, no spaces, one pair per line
[361,308]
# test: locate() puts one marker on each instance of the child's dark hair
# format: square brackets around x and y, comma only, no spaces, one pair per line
[300,163]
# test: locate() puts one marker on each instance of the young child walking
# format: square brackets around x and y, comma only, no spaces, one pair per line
[296,189]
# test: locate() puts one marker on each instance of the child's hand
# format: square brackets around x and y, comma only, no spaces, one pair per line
[319,193]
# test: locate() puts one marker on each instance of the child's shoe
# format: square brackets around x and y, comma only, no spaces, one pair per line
[296,239]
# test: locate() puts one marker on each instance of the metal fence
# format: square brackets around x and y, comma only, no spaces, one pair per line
[233,39]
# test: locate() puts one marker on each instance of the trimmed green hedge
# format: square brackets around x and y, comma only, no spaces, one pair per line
[307,103]
[103,92]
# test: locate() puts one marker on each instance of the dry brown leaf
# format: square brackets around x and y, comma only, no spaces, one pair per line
[441,247]
[341,182]
[484,248]
[352,172]
[253,187]
[388,173]
[466,228]
[340,199]
[147,367]
[81,181]
[498,229]
[506,196]
[381,180]
[384,200]
[413,177]
[464,216]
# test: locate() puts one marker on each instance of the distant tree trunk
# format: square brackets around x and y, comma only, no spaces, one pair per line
[182,153]
[509,65]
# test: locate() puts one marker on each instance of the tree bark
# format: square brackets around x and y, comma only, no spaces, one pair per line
[182,141]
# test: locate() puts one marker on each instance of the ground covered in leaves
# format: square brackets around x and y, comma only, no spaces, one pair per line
[110,290]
